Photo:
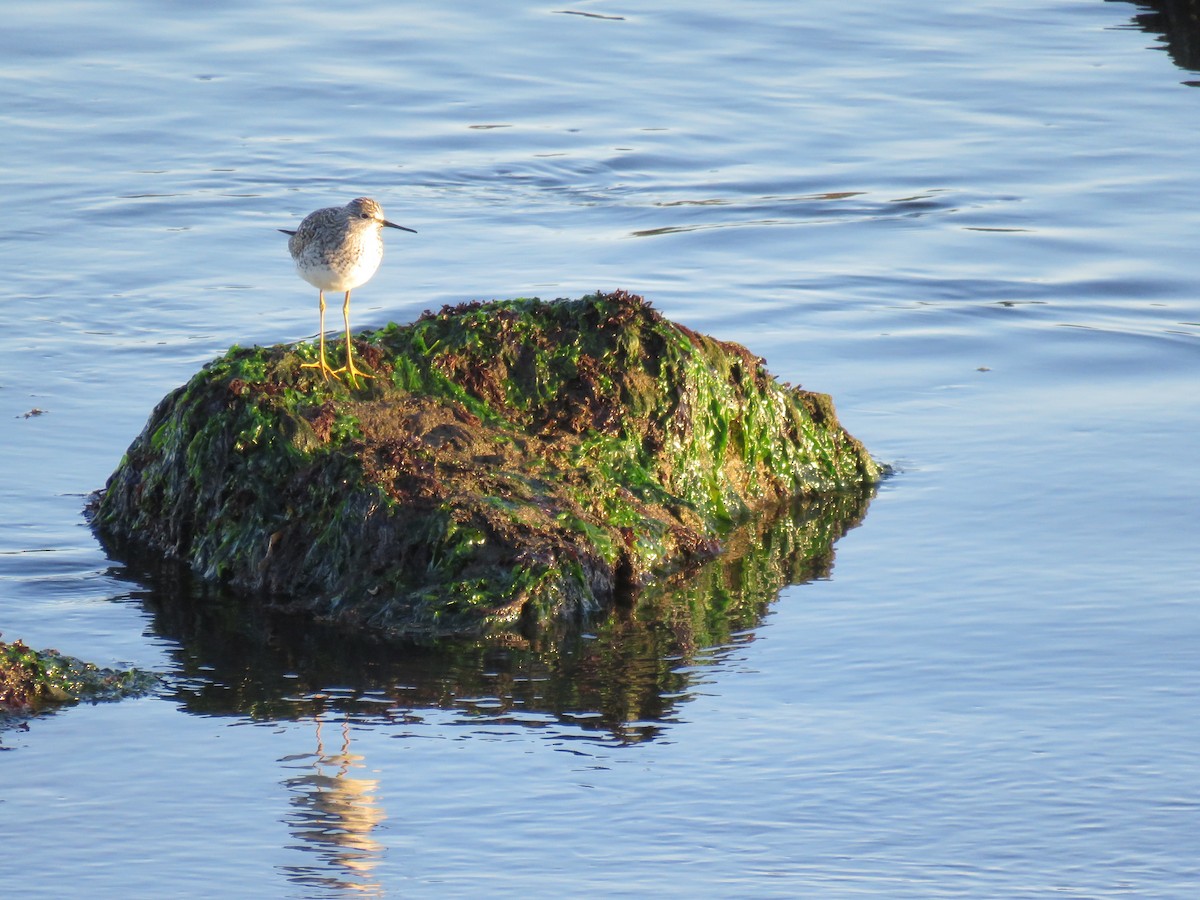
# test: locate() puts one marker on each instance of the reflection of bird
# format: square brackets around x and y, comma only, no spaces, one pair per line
[335,814]
[337,249]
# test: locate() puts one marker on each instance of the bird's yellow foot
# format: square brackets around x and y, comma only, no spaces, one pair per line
[323,366]
[351,370]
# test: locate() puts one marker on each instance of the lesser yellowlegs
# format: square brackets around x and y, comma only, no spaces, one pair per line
[337,249]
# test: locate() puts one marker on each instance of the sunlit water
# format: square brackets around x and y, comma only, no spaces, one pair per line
[974,226]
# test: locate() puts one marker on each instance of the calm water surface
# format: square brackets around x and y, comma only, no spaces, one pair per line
[975,227]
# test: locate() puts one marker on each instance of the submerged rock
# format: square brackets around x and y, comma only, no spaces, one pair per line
[32,680]
[510,464]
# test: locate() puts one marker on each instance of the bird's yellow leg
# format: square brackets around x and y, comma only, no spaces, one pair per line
[349,368]
[321,363]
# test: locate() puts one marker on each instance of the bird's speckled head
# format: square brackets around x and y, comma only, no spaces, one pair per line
[363,212]
[364,208]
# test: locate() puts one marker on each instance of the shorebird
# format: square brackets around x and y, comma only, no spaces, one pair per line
[337,249]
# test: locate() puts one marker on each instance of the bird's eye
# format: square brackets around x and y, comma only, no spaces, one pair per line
[364,215]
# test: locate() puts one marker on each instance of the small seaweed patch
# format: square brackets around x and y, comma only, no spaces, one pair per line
[510,464]
[32,680]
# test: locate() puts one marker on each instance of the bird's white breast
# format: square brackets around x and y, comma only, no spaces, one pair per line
[333,266]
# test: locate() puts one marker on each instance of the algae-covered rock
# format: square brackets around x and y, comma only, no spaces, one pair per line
[510,463]
[31,680]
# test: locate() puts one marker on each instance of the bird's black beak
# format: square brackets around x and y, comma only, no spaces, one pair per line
[401,227]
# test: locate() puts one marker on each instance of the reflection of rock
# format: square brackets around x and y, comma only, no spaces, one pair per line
[624,676]
[334,814]
[1178,21]
[511,464]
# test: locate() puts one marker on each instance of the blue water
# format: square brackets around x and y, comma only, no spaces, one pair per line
[973,226]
